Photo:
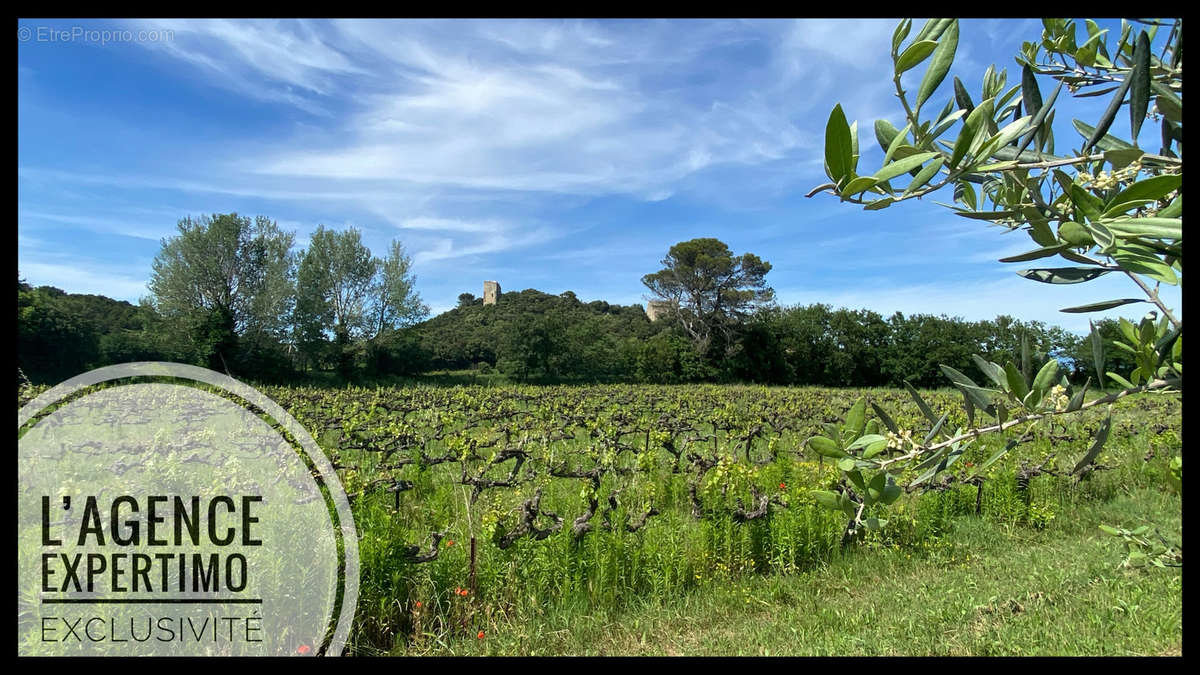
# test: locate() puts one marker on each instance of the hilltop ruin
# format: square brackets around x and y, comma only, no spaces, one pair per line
[656,309]
[491,292]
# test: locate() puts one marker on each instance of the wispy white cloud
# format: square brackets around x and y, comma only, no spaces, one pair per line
[133,227]
[510,106]
[451,225]
[446,248]
[432,111]
[297,62]
[861,44]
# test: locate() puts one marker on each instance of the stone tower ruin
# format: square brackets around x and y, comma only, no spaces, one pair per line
[491,292]
[656,309]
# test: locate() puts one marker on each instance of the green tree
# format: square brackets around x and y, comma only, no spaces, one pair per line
[397,303]
[919,344]
[1117,360]
[51,344]
[762,357]
[359,300]
[334,288]
[669,359]
[396,306]
[531,348]
[859,338]
[221,278]
[807,342]
[711,291]
[337,277]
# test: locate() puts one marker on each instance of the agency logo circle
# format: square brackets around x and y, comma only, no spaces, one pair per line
[166,509]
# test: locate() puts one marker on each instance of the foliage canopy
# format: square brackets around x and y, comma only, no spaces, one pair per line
[710,290]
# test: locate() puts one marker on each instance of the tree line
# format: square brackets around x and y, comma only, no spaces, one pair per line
[537,336]
[231,293]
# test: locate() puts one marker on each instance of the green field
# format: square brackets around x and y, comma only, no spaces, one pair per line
[678,520]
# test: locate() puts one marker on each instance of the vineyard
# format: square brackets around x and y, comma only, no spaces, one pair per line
[478,505]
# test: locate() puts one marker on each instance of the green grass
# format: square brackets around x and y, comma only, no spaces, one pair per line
[984,588]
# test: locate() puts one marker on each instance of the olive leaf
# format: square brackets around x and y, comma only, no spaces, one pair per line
[1139,87]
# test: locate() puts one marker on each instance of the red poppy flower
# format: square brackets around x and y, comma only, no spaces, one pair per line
[782,486]
[450,542]
[303,649]
[480,636]
[418,604]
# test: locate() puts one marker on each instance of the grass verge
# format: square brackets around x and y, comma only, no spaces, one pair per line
[984,588]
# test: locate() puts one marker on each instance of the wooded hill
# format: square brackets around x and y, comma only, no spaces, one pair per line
[530,333]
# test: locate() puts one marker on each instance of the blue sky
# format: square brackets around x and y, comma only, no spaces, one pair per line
[557,155]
